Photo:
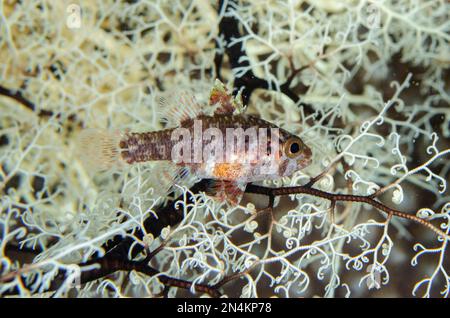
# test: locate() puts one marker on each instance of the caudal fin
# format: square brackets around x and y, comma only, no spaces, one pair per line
[99,149]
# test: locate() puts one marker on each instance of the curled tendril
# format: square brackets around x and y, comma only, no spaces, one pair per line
[425,213]
[397,195]
[432,149]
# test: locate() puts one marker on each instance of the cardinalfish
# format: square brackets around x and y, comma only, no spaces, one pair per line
[227,146]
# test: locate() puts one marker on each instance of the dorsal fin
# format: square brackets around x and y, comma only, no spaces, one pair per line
[176,109]
[224,100]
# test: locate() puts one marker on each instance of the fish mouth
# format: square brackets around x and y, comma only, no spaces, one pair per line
[304,161]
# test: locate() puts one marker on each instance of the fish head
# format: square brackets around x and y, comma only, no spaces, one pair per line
[294,154]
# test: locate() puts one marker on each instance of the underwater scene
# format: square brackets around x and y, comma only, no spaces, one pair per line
[224,149]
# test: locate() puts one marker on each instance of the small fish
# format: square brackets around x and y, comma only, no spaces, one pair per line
[229,147]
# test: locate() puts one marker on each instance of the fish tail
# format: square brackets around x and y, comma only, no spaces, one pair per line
[99,149]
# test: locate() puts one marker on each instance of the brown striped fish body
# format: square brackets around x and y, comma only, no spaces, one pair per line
[228,146]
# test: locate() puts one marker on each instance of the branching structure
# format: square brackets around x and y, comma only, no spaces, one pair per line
[364,84]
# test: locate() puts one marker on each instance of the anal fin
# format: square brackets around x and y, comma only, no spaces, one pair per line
[170,175]
[226,191]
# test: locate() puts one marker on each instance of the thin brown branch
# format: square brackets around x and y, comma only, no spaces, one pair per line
[108,265]
[18,97]
[342,198]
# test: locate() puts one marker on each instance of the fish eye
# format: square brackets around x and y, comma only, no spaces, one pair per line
[293,147]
